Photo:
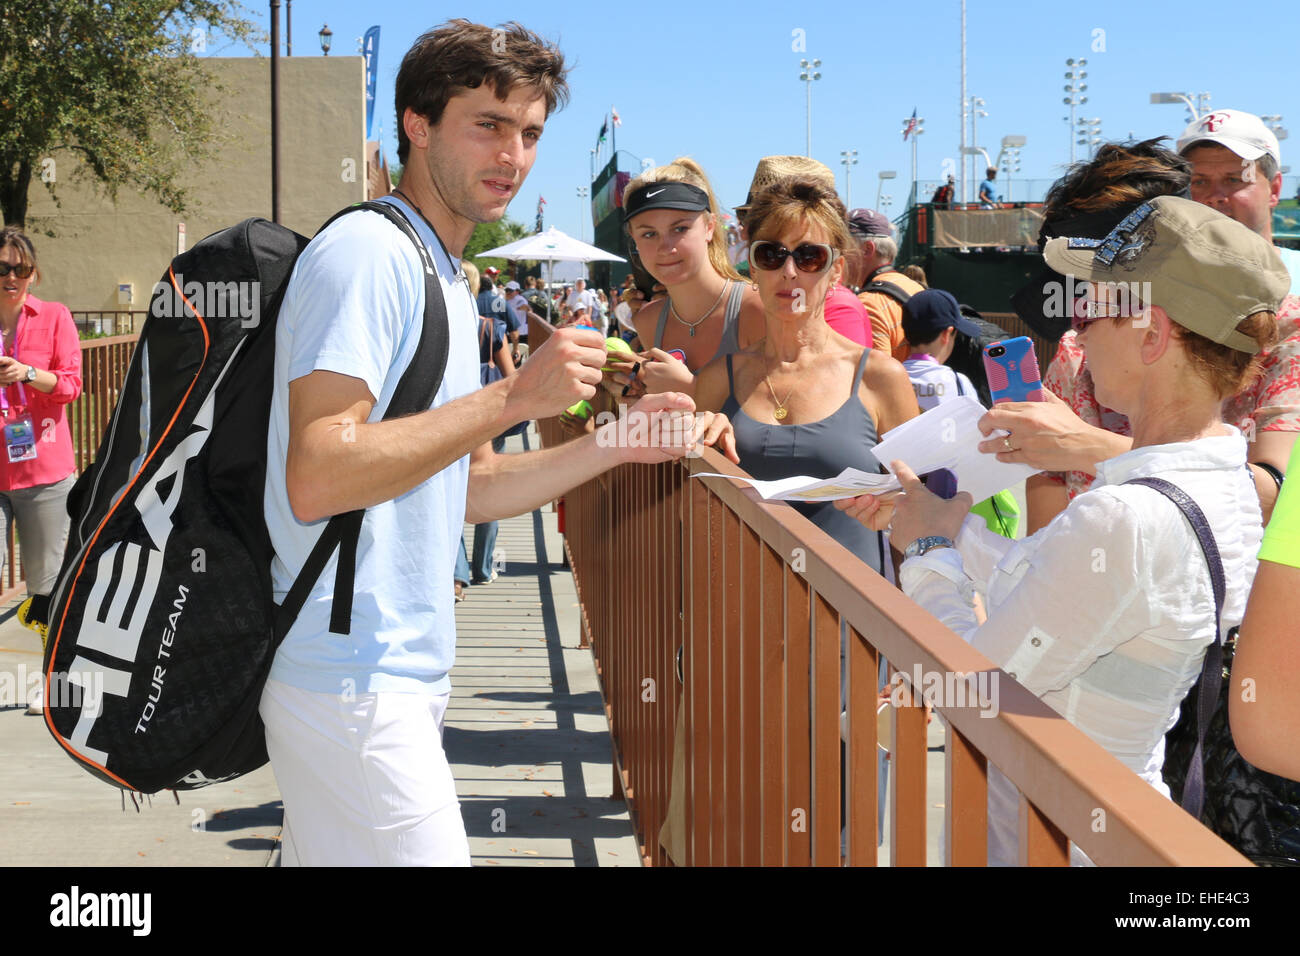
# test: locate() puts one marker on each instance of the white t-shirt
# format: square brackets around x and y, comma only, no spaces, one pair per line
[585,299]
[355,305]
[623,313]
[935,383]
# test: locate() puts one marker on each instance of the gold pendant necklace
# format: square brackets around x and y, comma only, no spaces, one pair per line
[781,410]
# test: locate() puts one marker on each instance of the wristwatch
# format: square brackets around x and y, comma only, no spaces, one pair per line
[31,374]
[922,545]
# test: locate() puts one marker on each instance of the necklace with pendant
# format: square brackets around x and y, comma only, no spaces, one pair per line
[781,410]
[707,312]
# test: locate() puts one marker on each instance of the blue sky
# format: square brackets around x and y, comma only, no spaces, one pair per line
[720,82]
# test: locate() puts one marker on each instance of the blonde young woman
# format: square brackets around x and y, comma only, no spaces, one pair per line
[709,311]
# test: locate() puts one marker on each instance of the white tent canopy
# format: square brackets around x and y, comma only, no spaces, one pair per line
[551,246]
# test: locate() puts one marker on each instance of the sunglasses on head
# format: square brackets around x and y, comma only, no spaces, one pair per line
[810,257]
[20,270]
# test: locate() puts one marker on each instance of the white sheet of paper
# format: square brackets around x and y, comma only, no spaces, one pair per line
[948,436]
[847,484]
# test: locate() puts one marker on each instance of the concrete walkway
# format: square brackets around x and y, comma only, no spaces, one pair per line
[525,733]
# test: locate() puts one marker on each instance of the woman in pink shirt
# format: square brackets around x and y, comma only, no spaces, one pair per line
[40,372]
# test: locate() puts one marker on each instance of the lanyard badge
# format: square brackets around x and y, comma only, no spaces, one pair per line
[20,435]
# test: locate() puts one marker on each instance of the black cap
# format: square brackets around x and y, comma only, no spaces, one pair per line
[929,312]
[665,195]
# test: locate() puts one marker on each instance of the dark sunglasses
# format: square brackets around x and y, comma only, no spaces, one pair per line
[21,271]
[808,256]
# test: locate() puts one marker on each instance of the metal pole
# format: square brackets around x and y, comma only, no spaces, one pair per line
[275,111]
[964,192]
[808,84]
[848,188]
[288,27]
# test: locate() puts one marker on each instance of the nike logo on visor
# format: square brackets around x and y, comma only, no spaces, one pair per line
[655,193]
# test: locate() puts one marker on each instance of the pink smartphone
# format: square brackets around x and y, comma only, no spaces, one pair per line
[1012,370]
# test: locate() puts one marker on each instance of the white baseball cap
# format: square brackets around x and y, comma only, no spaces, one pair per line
[1243,133]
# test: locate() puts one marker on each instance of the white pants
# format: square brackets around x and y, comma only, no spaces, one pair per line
[365,781]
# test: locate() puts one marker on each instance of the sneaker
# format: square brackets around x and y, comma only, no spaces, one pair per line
[36,701]
[25,619]
[460,591]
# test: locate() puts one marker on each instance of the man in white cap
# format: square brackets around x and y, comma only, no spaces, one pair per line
[1236,169]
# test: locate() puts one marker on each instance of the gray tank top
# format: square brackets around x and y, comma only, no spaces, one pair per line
[821,449]
[730,323]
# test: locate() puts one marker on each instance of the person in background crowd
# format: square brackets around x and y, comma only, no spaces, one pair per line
[40,373]
[1237,169]
[672,216]
[989,194]
[932,326]
[1067,438]
[623,316]
[495,363]
[943,195]
[489,300]
[916,274]
[1115,649]
[881,287]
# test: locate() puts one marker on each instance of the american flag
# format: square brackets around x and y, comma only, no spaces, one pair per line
[911,125]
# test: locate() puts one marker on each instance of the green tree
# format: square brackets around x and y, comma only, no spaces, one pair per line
[116,85]
[489,235]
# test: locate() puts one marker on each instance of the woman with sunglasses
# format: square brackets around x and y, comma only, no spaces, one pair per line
[671,216]
[1107,613]
[40,372]
[806,400]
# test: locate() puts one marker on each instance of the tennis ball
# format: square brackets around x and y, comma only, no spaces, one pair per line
[580,410]
[616,344]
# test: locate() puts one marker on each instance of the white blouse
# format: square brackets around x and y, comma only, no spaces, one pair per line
[1105,614]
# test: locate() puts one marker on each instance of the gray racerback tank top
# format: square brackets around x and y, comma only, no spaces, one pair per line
[730,323]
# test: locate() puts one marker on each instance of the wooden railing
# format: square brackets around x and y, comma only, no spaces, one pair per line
[755,597]
[103,369]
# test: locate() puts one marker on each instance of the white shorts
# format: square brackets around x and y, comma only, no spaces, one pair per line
[365,781]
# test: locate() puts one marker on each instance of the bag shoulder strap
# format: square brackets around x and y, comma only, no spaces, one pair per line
[415,392]
[897,293]
[1211,679]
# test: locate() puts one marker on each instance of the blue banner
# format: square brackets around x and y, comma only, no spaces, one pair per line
[370,48]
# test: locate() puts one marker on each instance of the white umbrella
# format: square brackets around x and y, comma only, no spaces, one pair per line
[551,246]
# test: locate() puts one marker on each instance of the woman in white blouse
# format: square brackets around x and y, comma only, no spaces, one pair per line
[1107,612]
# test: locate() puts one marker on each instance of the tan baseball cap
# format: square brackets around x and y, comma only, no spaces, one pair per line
[772,169]
[1208,272]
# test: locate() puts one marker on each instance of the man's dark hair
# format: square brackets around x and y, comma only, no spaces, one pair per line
[991,172]
[484,284]
[1119,174]
[460,55]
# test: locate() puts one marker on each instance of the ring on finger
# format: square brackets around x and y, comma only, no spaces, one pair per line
[1006,443]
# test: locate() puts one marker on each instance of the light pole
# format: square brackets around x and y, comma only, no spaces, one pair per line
[1009,157]
[1274,122]
[849,159]
[582,213]
[809,74]
[1074,93]
[914,131]
[1202,100]
[326,38]
[883,174]
[592,164]
[1088,133]
[975,113]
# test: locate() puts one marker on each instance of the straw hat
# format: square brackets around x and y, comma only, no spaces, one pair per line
[774,168]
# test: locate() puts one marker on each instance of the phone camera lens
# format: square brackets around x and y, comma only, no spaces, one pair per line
[997,351]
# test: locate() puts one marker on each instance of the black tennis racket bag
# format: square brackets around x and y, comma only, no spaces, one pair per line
[162,626]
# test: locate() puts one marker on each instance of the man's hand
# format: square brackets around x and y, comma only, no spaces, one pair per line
[665,427]
[1048,435]
[563,371]
[11,370]
[919,512]
[662,372]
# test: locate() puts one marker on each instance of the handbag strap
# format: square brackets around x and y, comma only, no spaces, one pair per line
[1211,679]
